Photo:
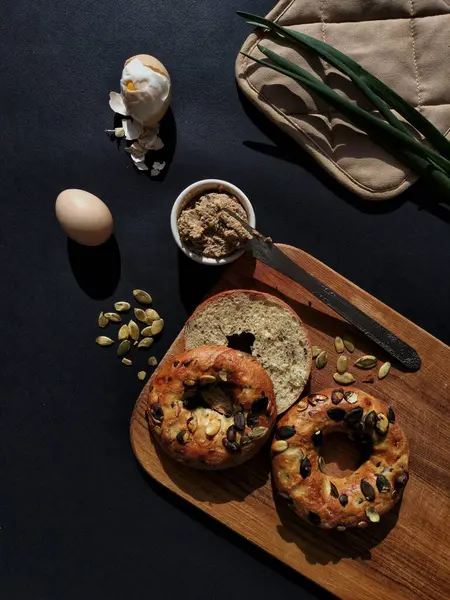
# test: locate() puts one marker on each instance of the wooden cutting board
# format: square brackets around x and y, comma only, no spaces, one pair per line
[407,554]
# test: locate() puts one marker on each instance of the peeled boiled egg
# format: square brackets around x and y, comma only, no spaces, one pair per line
[145,87]
[84,217]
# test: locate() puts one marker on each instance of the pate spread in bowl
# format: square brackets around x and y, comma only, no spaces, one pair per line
[201,227]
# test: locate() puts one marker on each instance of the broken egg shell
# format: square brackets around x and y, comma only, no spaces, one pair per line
[132,129]
[117,103]
[84,217]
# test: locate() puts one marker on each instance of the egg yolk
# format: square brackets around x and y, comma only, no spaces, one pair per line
[130,86]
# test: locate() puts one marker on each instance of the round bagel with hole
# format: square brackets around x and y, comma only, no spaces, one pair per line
[211,407]
[300,473]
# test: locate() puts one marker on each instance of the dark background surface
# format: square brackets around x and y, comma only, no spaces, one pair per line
[78,519]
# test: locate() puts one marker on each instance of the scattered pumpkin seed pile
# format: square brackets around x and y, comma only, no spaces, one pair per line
[129,333]
[342,375]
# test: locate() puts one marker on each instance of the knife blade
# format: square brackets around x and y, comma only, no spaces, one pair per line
[268,253]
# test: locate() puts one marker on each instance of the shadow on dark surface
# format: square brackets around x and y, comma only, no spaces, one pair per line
[167,133]
[284,148]
[232,537]
[321,546]
[96,268]
[195,281]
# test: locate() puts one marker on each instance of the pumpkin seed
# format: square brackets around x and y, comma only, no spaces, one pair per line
[260,405]
[142,296]
[223,375]
[102,340]
[152,361]
[382,424]
[341,528]
[317,438]
[239,421]
[156,412]
[321,464]
[285,432]
[351,397]
[206,379]
[391,415]
[339,345]
[333,490]
[314,518]
[374,517]
[102,320]
[146,332]
[192,423]
[367,490]
[151,315]
[316,351]
[231,433]
[314,398]
[182,437]
[122,306]
[384,370]
[348,342]
[123,348]
[141,375]
[322,359]
[336,414]
[343,499]
[371,419]
[366,362]
[212,428]
[113,317]
[245,440]
[157,326]
[302,405]
[188,382]
[230,446]
[353,417]
[342,364]
[127,361]
[401,481]
[383,484]
[124,333]
[362,524]
[140,315]
[252,420]
[305,467]
[258,432]
[344,378]
[145,342]
[134,330]
[337,396]
[280,446]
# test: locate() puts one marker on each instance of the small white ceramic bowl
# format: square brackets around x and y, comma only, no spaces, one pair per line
[194,191]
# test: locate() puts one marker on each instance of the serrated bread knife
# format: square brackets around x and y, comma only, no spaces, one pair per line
[268,253]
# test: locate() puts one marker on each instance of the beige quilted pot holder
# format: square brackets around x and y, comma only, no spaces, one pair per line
[406,43]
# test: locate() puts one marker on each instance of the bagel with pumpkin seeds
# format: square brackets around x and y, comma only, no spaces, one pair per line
[299,470]
[211,407]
